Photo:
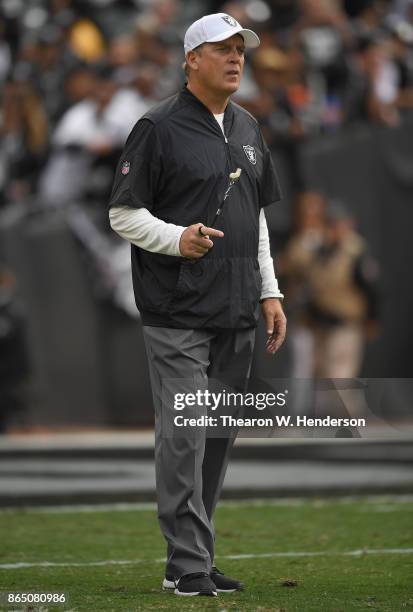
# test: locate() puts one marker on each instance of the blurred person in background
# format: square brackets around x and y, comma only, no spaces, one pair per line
[86,41]
[404,9]
[46,65]
[158,30]
[53,38]
[342,309]
[401,49]
[5,52]
[135,97]
[14,360]
[367,16]
[284,16]
[281,104]
[25,139]
[332,290]
[322,34]
[123,58]
[78,86]
[373,85]
[277,105]
[90,133]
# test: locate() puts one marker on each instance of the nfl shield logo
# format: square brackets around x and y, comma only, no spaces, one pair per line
[230,20]
[250,153]
[125,168]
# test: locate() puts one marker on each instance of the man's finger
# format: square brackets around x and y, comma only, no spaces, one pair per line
[273,344]
[277,338]
[199,250]
[210,231]
[204,243]
[269,323]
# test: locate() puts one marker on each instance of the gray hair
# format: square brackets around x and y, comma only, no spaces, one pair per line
[185,66]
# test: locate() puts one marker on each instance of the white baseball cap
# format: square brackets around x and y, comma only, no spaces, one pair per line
[216,27]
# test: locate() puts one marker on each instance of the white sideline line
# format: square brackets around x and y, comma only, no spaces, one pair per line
[346,553]
[327,553]
[151,506]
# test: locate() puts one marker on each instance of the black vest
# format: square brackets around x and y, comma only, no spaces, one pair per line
[176,163]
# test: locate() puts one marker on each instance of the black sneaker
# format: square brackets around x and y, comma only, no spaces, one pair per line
[223,583]
[198,583]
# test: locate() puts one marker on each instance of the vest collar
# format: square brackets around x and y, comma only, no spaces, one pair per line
[187,95]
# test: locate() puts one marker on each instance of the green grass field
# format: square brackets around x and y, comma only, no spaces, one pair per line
[329,581]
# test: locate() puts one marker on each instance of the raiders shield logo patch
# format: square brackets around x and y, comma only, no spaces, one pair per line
[250,153]
[125,168]
[230,20]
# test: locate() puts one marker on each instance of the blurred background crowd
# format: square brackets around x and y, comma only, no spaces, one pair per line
[78,74]
[75,75]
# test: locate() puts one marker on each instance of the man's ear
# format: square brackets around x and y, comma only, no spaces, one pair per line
[192,59]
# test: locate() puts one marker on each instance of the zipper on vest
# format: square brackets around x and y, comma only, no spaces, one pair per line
[220,209]
[228,152]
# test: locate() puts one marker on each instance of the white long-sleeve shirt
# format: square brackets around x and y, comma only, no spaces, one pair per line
[148,232]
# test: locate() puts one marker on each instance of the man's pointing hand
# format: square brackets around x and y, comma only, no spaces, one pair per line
[196,240]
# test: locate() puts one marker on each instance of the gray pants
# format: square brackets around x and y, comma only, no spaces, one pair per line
[190,468]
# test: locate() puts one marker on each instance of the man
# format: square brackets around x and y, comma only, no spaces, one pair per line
[198,287]
[343,289]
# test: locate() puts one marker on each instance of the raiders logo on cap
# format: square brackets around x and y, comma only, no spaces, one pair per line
[230,20]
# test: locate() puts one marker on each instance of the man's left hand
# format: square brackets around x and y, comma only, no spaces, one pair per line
[276,323]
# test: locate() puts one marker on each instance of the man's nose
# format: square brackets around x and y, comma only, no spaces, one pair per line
[235,56]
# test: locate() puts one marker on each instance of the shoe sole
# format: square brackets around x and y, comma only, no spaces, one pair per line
[195,593]
[168,585]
